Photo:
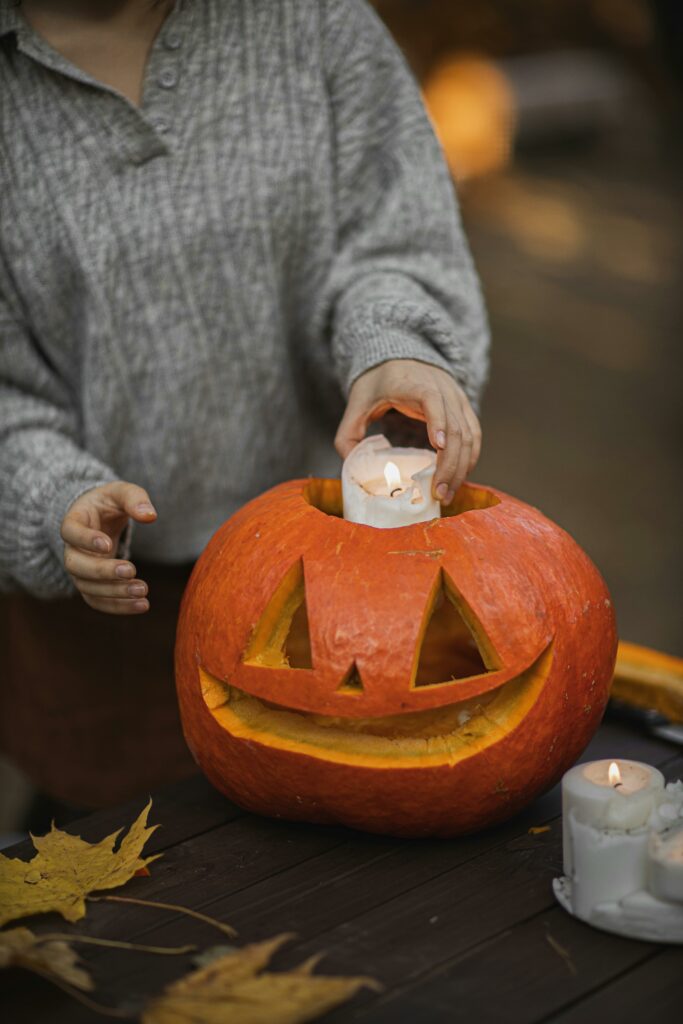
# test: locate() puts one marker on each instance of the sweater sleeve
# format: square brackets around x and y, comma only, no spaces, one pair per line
[403,284]
[42,468]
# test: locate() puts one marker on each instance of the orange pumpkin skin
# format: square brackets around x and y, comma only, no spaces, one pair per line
[533,599]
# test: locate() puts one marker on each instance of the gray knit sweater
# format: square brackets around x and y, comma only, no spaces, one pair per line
[187,289]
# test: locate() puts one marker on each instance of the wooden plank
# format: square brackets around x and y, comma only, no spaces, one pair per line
[282,896]
[297,896]
[584,958]
[355,890]
[651,992]
[521,975]
[184,809]
[330,888]
[203,873]
[397,936]
[200,870]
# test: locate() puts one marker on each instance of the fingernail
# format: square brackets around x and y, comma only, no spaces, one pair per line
[442,491]
[449,497]
[145,509]
[137,589]
[141,606]
[100,544]
[441,438]
[125,571]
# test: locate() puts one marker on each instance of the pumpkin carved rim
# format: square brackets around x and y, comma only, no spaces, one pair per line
[324,495]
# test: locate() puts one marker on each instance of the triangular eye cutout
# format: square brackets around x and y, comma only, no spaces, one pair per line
[298,639]
[454,645]
[281,637]
[352,683]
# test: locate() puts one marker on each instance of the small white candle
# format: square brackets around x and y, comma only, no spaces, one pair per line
[607,865]
[605,808]
[665,864]
[388,487]
[624,801]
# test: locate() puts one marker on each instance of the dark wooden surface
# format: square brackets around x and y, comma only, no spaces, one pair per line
[455,930]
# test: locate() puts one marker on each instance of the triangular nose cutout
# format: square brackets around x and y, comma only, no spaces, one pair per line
[281,637]
[352,684]
[450,649]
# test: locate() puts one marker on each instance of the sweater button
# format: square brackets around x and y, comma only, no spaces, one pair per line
[168,78]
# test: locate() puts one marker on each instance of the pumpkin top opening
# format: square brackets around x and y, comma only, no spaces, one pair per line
[326,496]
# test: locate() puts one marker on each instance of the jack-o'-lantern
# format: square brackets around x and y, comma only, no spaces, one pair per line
[424,680]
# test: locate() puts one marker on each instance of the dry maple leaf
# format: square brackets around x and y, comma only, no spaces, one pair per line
[230,989]
[67,868]
[53,958]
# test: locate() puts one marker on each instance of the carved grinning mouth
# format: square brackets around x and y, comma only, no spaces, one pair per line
[433,736]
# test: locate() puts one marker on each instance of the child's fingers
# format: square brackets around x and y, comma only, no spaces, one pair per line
[434,411]
[353,425]
[475,429]
[75,532]
[117,606]
[451,462]
[464,456]
[132,500]
[90,567]
[464,442]
[112,588]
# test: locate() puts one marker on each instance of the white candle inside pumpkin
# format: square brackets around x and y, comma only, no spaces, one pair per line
[665,864]
[389,484]
[389,487]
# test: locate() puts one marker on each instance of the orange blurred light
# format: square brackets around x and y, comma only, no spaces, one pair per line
[472,107]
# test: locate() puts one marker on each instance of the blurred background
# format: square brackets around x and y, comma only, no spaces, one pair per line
[561,122]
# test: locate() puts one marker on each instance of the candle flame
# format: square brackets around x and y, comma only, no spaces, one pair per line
[614,774]
[392,475]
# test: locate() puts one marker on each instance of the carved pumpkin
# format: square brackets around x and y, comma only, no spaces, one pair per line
[425,680]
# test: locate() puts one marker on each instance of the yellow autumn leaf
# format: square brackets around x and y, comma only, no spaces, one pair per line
[66,869]
[53,958]
[231,989]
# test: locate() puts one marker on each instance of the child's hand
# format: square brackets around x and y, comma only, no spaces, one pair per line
[425,393]
[91,530]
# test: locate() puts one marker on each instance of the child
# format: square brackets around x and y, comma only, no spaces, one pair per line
[217,217]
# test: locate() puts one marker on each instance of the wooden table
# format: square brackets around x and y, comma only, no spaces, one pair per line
[461,930]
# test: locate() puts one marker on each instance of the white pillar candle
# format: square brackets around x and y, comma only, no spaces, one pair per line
[665,864]
[623,850]
[607,865]
[624,801]
[388,487]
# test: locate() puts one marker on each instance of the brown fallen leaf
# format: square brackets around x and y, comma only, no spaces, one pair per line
[67,868]
[231,989]
[54,958]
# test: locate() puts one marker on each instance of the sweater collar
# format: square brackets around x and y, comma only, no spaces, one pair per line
[10,19]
